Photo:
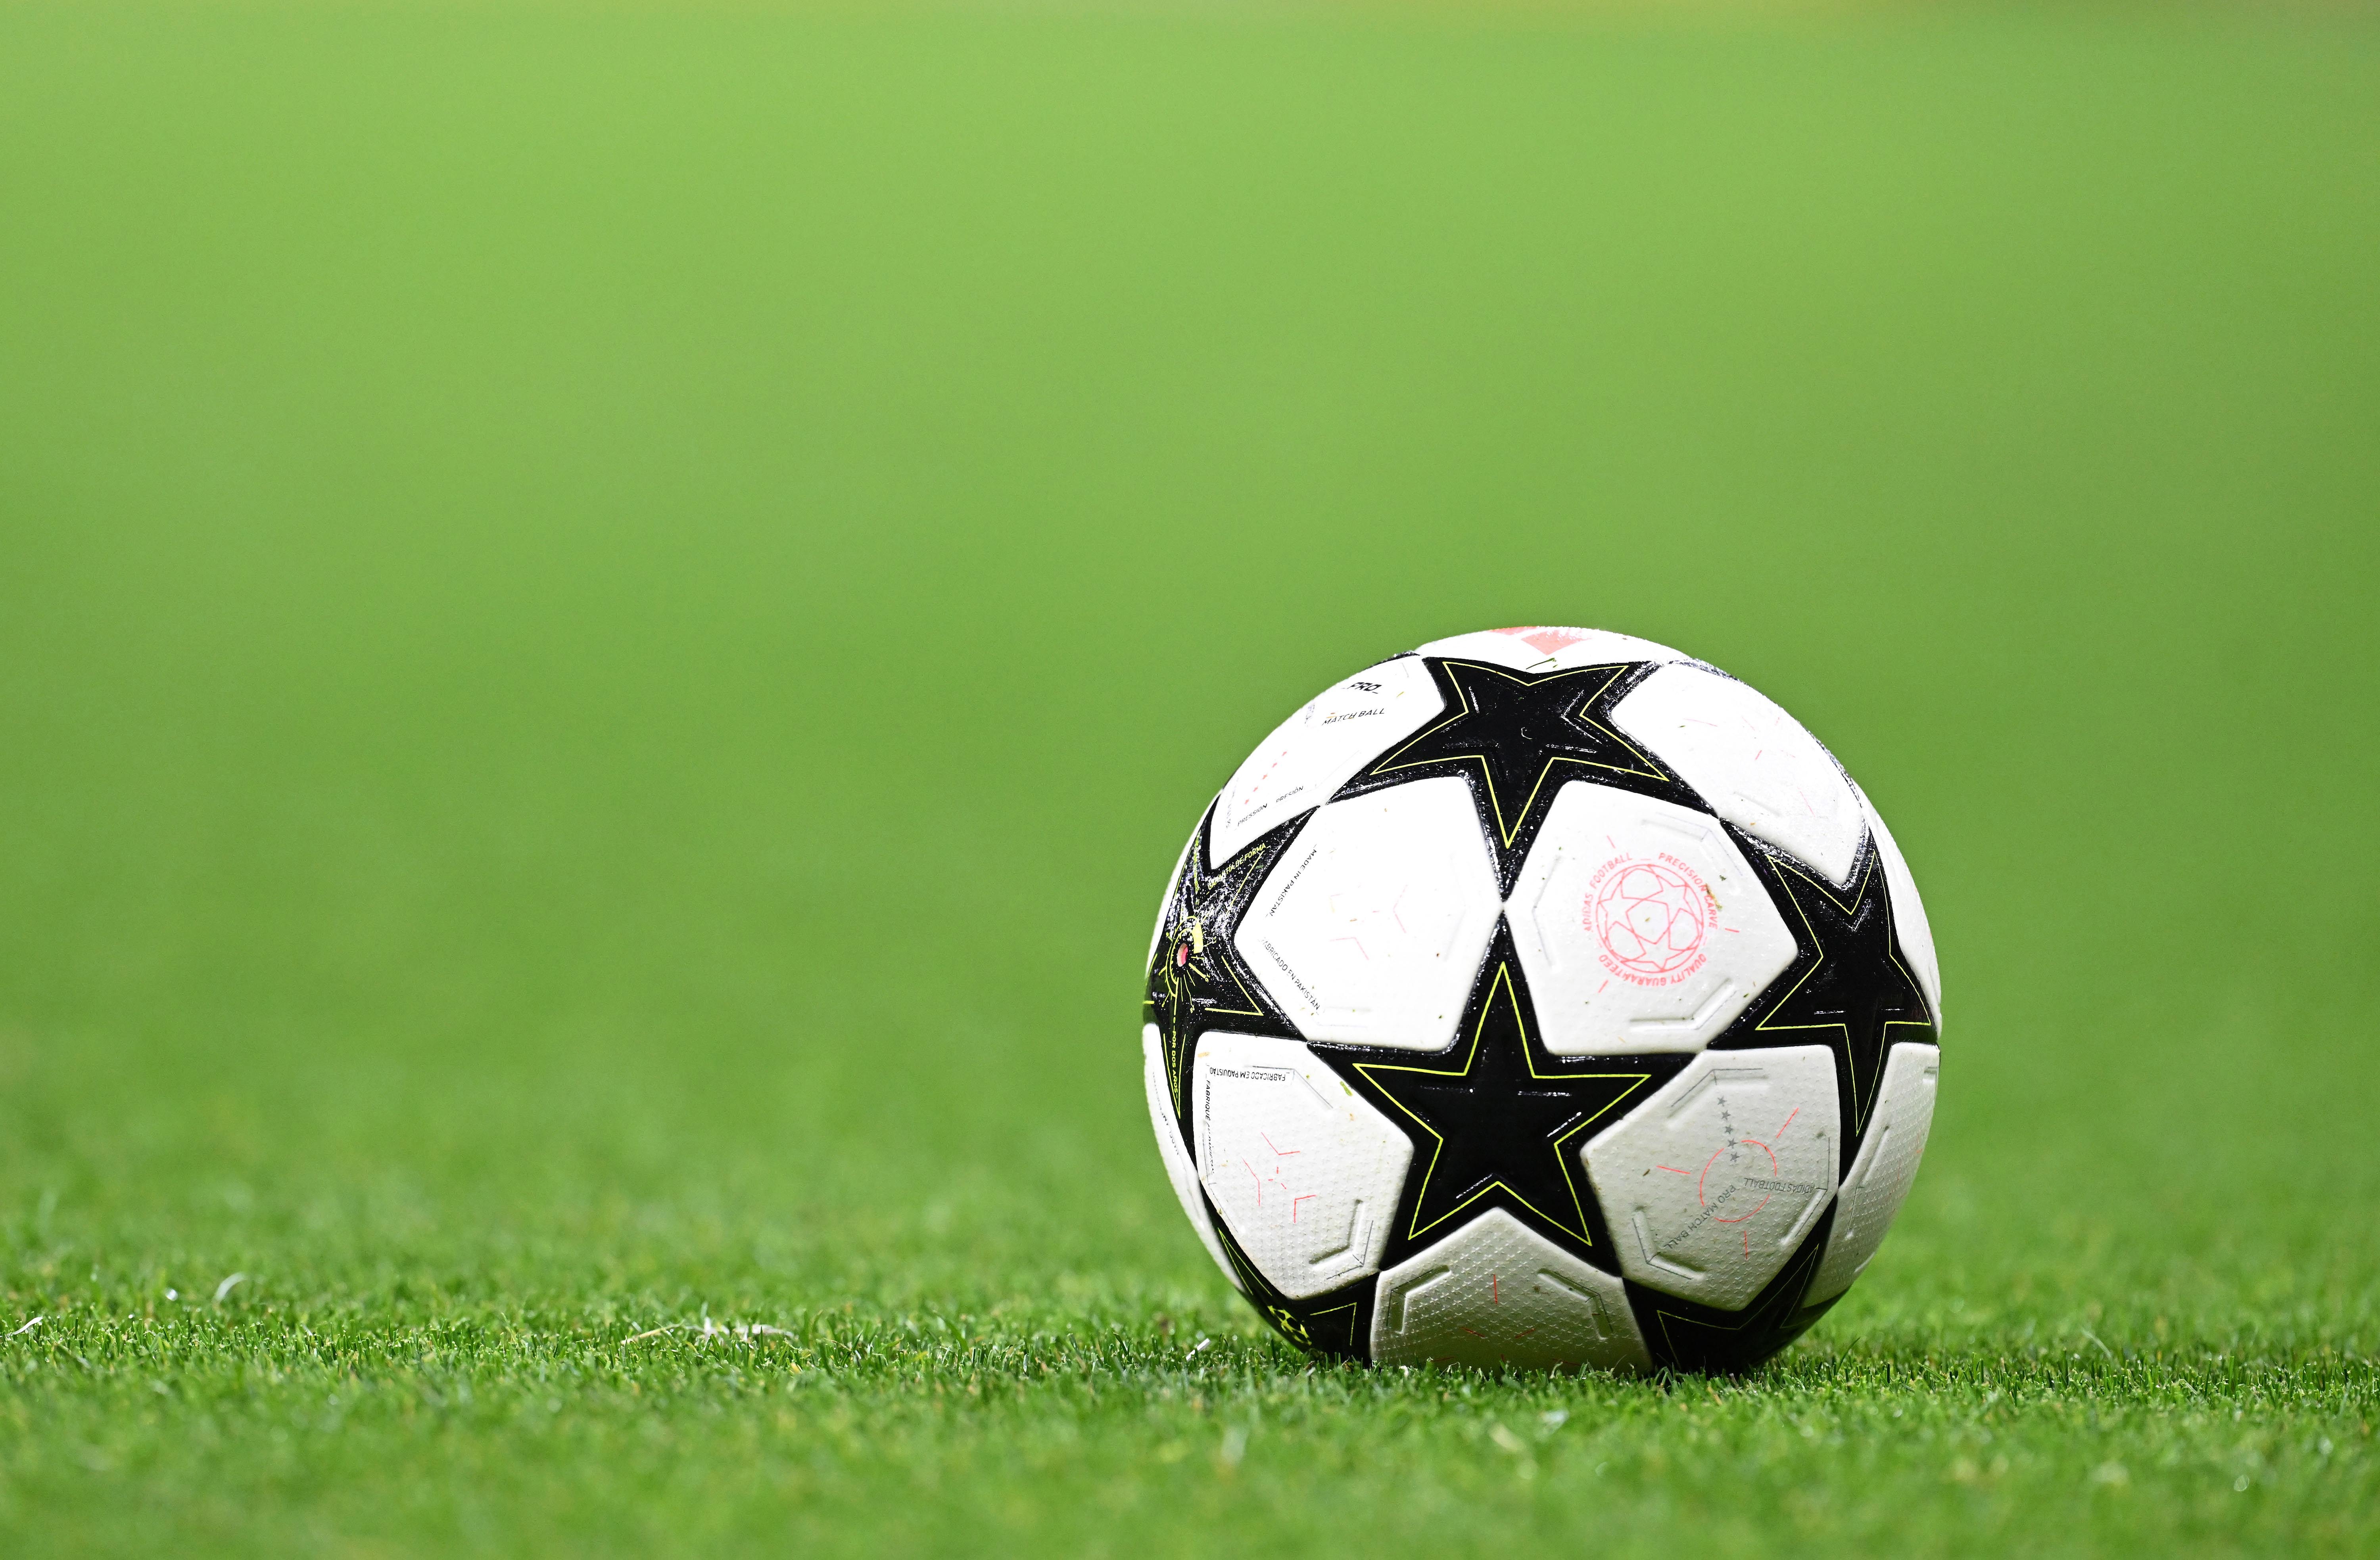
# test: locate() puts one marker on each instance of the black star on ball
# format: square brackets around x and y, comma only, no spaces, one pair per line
[1196,980]
[1495,1120]
[1517,738]
[1855,989]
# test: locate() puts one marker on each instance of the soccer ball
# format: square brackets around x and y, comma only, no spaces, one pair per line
[1542,999]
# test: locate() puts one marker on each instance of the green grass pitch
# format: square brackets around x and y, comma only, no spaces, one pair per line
[611,616]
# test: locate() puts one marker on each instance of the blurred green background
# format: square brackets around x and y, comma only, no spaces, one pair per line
[611,617]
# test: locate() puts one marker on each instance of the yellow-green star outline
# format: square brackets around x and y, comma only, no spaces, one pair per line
[1651,770]
[1503,983]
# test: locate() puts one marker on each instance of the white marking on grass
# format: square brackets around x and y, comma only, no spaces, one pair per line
[228,1285]
[711,1329]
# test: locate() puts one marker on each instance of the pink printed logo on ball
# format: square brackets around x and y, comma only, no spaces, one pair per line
[1651,916]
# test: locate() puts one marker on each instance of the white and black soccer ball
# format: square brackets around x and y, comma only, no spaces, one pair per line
[1544,997]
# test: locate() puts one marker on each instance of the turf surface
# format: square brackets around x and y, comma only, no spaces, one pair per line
[610,622]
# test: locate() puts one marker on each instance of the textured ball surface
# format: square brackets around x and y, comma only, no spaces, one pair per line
[1542,999]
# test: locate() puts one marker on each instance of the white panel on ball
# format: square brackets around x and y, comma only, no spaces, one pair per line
[1370,929]
[1496,1293]
[1319,748]
[1305,1172]
[1639,925]
[1754,763]
[1911,930]
[1542,649]
[1883,1170]
[1711,1183]
[1170,1148]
